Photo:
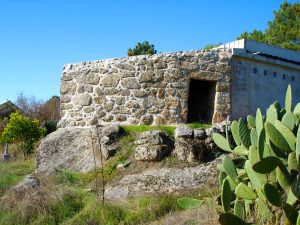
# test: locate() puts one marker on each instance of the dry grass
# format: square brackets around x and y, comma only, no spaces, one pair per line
[27,206]
[33,200]
[200,216]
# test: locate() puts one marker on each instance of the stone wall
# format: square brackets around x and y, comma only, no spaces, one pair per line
[142,89]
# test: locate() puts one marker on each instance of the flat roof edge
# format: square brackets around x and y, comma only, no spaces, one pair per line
[254,47]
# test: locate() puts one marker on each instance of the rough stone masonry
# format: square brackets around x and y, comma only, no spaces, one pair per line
[149,90]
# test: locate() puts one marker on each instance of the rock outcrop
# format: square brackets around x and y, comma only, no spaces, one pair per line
[166,180]
[28,183]
[76,149]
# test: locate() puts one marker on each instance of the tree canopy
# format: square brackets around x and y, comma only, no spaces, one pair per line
[283,30]
[142,49]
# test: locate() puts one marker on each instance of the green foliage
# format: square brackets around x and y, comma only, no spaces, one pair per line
[256,35]
[229,167]
[235,132]
[211,46]
[221,142]
[50,126]
[272,195]
[230,219]
[142,49]
[283,30]
[23,131]
[244,133]
[266,175]
[244,192]
[189,203]
[239,209]
[65,200]
[226,195]
[263,209]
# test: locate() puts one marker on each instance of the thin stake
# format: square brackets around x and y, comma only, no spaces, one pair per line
[102,166]
[95,166]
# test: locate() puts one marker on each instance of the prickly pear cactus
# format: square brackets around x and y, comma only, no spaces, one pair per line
[265,184]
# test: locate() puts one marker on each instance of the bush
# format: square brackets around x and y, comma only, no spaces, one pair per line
[22,130]
[50,126]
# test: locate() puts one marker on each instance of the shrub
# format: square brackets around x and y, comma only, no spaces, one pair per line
[22,130]
[50,126]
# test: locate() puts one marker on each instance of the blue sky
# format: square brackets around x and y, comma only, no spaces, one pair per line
[37,37]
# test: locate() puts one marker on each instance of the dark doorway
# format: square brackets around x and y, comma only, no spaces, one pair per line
[201,101]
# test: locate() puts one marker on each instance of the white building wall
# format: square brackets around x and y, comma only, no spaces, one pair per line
[251,89]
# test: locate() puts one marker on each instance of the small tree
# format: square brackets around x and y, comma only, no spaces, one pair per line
[23,131]
[142,49]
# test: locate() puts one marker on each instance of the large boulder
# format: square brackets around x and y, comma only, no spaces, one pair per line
[67,148]
[153,146]
[76,149]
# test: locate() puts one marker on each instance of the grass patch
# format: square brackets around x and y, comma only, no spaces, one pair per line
[64,200]
[135,129]
[12,172]
[54,205]
[137,210]
[198,125]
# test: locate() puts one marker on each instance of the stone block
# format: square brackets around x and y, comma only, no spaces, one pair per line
[130,83]
[152,146]
[206,75]
[183,132]
[146,120]
[110,80]
[68,87]
[83,99]
[187,149]
[200,134]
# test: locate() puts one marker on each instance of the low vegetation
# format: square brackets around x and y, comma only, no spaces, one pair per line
[135,129]
[70,198]
[13,172]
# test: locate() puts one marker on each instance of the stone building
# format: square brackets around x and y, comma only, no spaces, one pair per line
[183,87]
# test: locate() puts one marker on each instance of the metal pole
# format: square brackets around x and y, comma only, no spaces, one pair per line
[6,155]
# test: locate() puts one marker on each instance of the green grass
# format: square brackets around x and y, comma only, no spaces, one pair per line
[133,211]
[69,201]
[13,172]
[134,129]
[198,125]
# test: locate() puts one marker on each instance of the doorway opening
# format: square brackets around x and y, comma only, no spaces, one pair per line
[201,101]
